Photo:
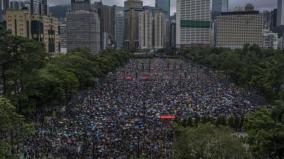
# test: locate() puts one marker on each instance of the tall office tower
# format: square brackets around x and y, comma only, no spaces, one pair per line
[132,9]
[173,31]
[267,19]
[193,23]
[146,29]
[273,19]
[83,27]
[280,12]
[4,5]
[108,26]
[35,7]
[164,5]
[1,14]
[160,29]
[43,7]
[119,27]
[219,6]
[235,29]
[80,5]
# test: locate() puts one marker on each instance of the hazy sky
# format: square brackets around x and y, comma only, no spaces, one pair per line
[259,4]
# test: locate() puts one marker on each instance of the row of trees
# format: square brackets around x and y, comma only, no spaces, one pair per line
[34,83]
[13,128]
[263,137]
[208,141]
[33,80]
[251,67]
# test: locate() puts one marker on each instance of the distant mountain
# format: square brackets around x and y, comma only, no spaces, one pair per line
[59,11]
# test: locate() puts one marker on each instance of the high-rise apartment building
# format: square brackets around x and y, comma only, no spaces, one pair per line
[164,5]
[40,28]
[119,27]
[280,12]
[193,23]
[132,9]
[160,29]
[219,6]
[83,27]
[146,29]
[235,29]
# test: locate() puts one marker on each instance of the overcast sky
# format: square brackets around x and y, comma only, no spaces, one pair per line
[259,4]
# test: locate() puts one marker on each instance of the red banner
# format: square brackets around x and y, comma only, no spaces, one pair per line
[167,117]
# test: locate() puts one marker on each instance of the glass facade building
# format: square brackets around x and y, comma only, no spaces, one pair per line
[164,5]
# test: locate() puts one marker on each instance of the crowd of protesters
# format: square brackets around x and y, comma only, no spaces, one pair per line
[120,118]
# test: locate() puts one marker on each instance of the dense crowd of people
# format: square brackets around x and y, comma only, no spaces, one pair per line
[120,118]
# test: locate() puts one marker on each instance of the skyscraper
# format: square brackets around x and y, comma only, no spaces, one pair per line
[146,29]
[1,10]
[107,18]
[219,6]
[4,5]
[164,5]
[173,31]
[35,6]
[132,9]
[160,28]
[280,13]
[193,23]
[83,27]
[43,7]
[119,27]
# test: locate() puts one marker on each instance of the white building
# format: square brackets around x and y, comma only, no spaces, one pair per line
[281,43]
[270,39]
[193,23]
[235,29]
[146,29]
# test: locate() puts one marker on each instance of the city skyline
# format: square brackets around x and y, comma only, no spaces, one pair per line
[259,4]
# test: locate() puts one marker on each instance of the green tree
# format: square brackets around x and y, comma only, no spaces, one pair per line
[207,141]
[13,128]
[265,130]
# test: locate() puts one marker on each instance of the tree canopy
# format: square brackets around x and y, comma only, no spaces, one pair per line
[207,141]
[13,128]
